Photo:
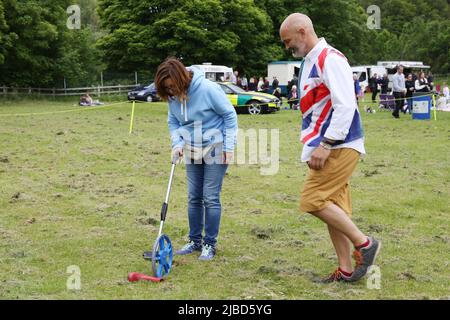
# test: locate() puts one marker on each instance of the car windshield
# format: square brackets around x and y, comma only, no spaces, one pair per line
[235,88]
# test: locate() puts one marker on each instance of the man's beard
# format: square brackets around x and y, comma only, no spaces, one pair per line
[296,53]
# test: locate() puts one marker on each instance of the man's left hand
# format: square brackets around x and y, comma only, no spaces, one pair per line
[318,158]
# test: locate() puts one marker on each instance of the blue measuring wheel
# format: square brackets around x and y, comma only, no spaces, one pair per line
[162,256]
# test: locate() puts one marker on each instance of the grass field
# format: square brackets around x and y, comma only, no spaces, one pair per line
[77,189]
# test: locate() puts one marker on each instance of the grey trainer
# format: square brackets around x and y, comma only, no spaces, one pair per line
[336,276]
[365,257]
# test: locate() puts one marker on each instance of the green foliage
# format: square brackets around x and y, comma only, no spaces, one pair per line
[5,41]
[80,63]
[37,48]
[235,33]
[413,30]
[40,50]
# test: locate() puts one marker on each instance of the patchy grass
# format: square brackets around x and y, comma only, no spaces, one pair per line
[77,189]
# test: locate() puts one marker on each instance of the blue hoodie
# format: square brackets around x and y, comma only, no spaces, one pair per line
[207,108]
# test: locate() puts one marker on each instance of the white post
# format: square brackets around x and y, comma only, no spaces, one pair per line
[135,77]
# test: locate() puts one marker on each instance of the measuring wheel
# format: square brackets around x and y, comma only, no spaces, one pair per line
[162,256]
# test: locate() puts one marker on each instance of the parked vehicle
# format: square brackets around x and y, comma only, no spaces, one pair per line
[365,72]
[215,72]
[284,71]
[249,101]
[144,93]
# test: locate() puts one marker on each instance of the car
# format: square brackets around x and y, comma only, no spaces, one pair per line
[144,93]
[250,101]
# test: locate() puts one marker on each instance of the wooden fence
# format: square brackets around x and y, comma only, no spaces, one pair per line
[95,91]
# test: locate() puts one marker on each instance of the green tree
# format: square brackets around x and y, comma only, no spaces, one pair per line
[142,33]
[80,64]
[5,41]
[43,50]
[34,35]
[413,30]
[341,22]
[431,45]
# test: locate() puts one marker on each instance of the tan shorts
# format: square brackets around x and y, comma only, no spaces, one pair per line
[331,183]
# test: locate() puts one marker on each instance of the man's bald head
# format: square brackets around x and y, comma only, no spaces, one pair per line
[298,35]
[295,21]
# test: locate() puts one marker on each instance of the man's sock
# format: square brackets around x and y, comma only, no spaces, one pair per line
[363,245]
[346,274]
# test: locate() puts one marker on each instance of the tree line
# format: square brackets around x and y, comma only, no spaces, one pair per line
[38,49]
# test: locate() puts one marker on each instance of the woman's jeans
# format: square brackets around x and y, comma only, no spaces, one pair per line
[204,208]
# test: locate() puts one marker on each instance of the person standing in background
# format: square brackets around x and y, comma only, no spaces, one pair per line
[244,82]
[234,77]
[446,91]
[421,84]
[399,88]
[260,86]
[430,79]
[384,84]
[266,85]
[373,85]
[252,84]
[275,83]
[409,84]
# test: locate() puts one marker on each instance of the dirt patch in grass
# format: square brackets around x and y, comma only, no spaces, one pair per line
[368,173]
[267,270]
[20,196]
[147,221]
[406,276]
[262,233]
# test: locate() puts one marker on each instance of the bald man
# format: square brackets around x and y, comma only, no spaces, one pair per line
[333,141]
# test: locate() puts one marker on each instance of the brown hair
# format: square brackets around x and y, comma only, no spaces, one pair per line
[172,69]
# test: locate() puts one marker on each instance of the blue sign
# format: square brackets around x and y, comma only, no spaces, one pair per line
[421,107]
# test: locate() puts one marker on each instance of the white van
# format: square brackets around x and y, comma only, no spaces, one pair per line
[284,71]
[413,67]
[364,73]
[215,72]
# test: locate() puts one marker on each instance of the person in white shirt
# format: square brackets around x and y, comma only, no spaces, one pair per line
[446,91]
[443,102]
[234,77]
[260,85]
[399,88]
[333,142]
[421,84]
[244,83]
